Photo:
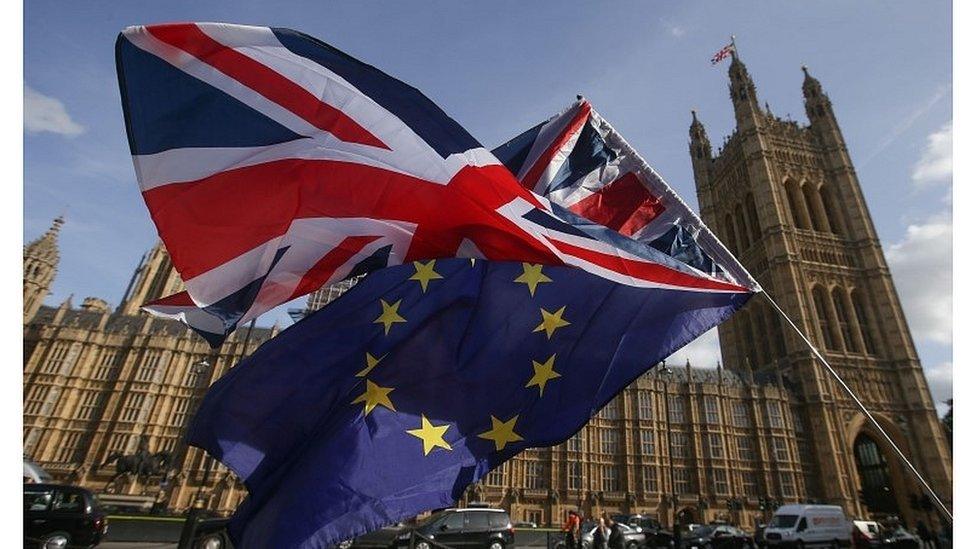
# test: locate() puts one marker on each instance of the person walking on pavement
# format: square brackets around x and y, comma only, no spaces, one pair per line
[616,539]
[572,529]
[923,534]
[601,536]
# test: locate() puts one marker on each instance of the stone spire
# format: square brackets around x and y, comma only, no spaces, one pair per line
[46,247]
[40,265]
[153,279]
[701,147]
[811,86]
[742,90]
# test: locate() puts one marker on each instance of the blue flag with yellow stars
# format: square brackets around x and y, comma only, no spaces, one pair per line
[420,380]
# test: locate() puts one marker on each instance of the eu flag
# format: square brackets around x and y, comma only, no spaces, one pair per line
[422,379]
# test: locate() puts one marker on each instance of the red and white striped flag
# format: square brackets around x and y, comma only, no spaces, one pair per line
[723,53]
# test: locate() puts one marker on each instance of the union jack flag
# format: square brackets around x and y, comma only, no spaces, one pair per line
[723,53]
[579,162]
[273,164]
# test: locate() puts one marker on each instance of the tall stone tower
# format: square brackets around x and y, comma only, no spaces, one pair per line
[40,265]
[154,278]
[786,200]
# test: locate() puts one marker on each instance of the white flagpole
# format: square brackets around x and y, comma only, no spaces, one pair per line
[921,480]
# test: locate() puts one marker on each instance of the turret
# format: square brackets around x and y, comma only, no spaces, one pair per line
[700,148]
[154,278]
[743,93]
[819,110]
[40,265]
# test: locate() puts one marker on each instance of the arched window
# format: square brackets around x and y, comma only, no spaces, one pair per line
[740,223]
[844,319]
[833,218]
[864,323]
[815,208]
[876,482]
[821,303]
[775,326]
[753,218]
[801,219]
[730,239]
[761,337]
[752,343]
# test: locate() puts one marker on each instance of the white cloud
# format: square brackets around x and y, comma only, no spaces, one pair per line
[47,114]
[921,264]
[935,166]
[940,383]
[672,28]
[703,352]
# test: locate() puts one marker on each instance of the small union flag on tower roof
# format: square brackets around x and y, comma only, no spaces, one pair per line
[723,53]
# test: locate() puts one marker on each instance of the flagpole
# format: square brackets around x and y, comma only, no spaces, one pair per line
[735,49]
[869,415]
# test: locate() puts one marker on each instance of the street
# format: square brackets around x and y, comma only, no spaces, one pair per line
[135,545]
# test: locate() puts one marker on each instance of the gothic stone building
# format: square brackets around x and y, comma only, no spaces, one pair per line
[99,382]
[678,444]
[786,199]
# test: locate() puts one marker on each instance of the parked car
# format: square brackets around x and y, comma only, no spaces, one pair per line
[655,534]
[526,525]
[633,538]
[867,534]
[58,516]
[794,525]
[476,528]
[211,533]
[384,537]
[899,538]
[716,536]
[35,473]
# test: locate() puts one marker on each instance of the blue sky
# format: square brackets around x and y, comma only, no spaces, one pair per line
[500,67]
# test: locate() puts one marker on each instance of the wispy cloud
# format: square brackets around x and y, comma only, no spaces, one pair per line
[935,166]
[43,113]
[672,28]
[905,124]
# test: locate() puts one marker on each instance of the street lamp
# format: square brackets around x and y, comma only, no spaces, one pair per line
[673,501]
[200,369]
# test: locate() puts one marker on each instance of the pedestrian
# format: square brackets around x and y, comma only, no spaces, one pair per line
[923,533]
[572,529]
[601,537]
[616,538]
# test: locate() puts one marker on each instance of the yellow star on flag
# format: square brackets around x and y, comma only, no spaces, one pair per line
[371,362]
[425,273]
[390,315]
[432,435]
[532,276]
[375,396]
[502,432]
[543,373]
[551,321]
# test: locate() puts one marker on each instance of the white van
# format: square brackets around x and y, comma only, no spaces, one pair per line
[809,526]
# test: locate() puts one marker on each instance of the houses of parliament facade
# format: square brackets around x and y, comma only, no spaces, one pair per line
[681,444]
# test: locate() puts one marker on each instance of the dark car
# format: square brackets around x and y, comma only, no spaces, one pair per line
[58,516]
[633,538]
[899,538]
[461,528]
[716,536]
[655,534]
